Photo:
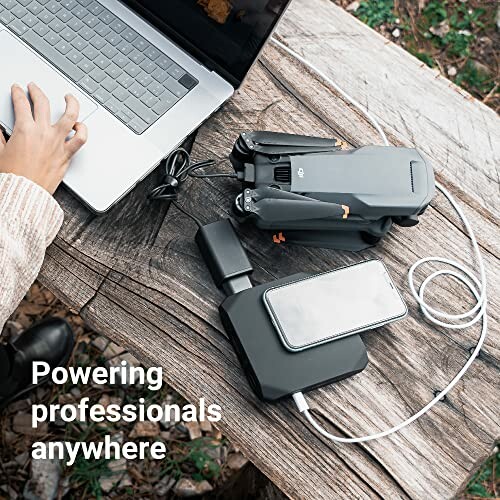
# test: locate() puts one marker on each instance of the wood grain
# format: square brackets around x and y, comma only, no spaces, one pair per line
[136,275]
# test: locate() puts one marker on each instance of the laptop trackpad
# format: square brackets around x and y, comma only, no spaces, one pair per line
[21,65]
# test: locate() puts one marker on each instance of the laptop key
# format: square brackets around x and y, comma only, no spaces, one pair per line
[174,87]
[56,25]
[120,61]
[140,110]
[152,53]
[79,43]
[160,75]
[69,4]
[67,34]
[35,8]
[24,2]
[90,52]
[86,83]
[113,105]
[123,116]
[106,17]
[98,75]
[149,99]
[136,90]
[117,26]
[136,56]
[109,84]
[137,125]
[52,39]
[125,80]
[102,62]
[64,15]
[18,27]
[129,35]
[63,47]
[113,38]
[102,29]
[166,102]
[121,94]
[140,44]
[156,89]
[188,81]
[91,21]
[45,16]
[41,29]
[19,11]
[109,51]
[113,71]
[98,42]
[79,12]
[30,20]
[148,66]
[175,71]
[6,17]
[101,95]
[86,33]
[144,79]
[95,8]
[86,66]
[164,62]
[132,69]
[75,24]
[53,7]
[124,47]
[74,56]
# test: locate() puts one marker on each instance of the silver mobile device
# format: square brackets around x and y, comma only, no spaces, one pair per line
[334,304]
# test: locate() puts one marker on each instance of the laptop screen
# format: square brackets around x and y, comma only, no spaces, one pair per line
[226,35]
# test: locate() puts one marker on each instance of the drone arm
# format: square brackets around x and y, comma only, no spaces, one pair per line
[274,205]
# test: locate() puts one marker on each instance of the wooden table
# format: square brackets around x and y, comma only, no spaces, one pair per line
[136,275]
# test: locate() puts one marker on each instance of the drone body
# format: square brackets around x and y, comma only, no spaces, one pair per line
[318,195]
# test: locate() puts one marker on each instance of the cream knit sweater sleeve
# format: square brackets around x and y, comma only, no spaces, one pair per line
[30,218]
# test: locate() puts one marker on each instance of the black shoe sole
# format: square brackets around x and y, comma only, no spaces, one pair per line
[29,388]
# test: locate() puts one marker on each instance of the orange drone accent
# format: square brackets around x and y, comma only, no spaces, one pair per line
[278,239]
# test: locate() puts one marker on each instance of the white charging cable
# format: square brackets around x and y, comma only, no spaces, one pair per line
[464,275]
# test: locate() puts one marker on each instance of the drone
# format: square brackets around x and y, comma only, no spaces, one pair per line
[317,194]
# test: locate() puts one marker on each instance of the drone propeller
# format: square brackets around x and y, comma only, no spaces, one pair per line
[275,205]
[277,143]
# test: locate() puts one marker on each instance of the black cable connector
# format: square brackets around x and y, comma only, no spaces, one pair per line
[225,257]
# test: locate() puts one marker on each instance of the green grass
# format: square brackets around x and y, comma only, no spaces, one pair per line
[376,12]
[481,483]
[87,474]
[462,22]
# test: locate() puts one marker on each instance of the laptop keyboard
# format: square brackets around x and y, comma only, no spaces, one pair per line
[102,55]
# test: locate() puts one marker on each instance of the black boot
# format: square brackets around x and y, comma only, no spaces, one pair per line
[50,341]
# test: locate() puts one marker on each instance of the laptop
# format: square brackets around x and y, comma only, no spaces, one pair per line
[146,73]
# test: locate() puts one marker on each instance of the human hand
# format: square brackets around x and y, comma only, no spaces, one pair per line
[37,149]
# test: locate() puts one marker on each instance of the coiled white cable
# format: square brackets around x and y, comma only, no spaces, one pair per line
[464,275]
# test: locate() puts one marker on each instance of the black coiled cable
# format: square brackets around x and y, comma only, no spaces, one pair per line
[178,168]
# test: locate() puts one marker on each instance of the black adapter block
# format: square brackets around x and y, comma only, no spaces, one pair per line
[272,370]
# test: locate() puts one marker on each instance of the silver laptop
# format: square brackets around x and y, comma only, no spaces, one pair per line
[146,73]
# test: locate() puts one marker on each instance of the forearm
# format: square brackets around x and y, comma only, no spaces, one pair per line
[29,221]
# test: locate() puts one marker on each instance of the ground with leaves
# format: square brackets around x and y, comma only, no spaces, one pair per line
[200,459]
[460,38]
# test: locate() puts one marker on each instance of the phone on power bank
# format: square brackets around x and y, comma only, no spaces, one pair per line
[335,304]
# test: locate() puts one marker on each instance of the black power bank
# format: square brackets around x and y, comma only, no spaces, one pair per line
[273,371]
